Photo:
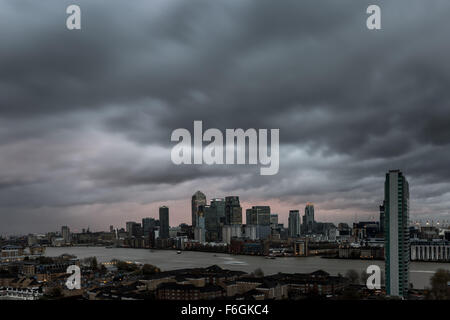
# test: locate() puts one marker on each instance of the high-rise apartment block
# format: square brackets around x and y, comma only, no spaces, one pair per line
[396,239]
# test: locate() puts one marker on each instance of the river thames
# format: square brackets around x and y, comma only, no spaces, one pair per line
[420,272]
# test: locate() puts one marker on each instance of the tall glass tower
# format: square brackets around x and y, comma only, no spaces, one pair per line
[214,219]
[258,215]
[294,223]
[198,200]
[233,210]
[164,222]
[308,218]
[396,233]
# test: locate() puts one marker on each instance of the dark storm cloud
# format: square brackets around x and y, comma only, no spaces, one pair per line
[86,116]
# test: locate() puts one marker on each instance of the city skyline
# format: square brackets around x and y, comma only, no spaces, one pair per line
[86,115]
[284,215]
[105,225]
[218,229]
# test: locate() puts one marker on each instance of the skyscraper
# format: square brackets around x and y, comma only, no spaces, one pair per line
[164,222]
[199,229]
[147,226]
[129,227]
[396,239]
[382,218]
[274,219]
[308,218]
[231,231]
[65,234]
[233,210]
[294,223]
[134,229]
[198,200]
[214,219]
[259,216]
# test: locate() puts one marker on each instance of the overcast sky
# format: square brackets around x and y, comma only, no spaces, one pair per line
[86,116]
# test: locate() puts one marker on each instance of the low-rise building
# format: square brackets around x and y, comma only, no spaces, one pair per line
[175,291]
[10,253]
[430,250]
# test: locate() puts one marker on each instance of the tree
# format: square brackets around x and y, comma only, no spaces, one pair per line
[440,281]
[94,263]
[353,276]
[350,293]
[45,260]
[103,269]
[125,266]
[54,292]
[364,277]
[258,273]
[148,269]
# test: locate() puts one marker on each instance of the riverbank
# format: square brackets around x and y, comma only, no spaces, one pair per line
[420,272]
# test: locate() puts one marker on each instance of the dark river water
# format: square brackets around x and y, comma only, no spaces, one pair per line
[420,272]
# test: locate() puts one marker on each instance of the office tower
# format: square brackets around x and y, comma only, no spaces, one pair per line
[65,234]
[308,218]
[396,238]
[259,216]
[250,232]
[198,200]
[233,210]
[134,229]
[129,228]
[249,217]
[274,220]
[382,220]
[137,230]
[210,224]
[294,223]
[147,226]
[152,236]
[214,219]
[231,231]
[199,230]
[111,228]
[164,222]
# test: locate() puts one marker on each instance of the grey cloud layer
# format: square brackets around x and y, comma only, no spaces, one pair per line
[86,117]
